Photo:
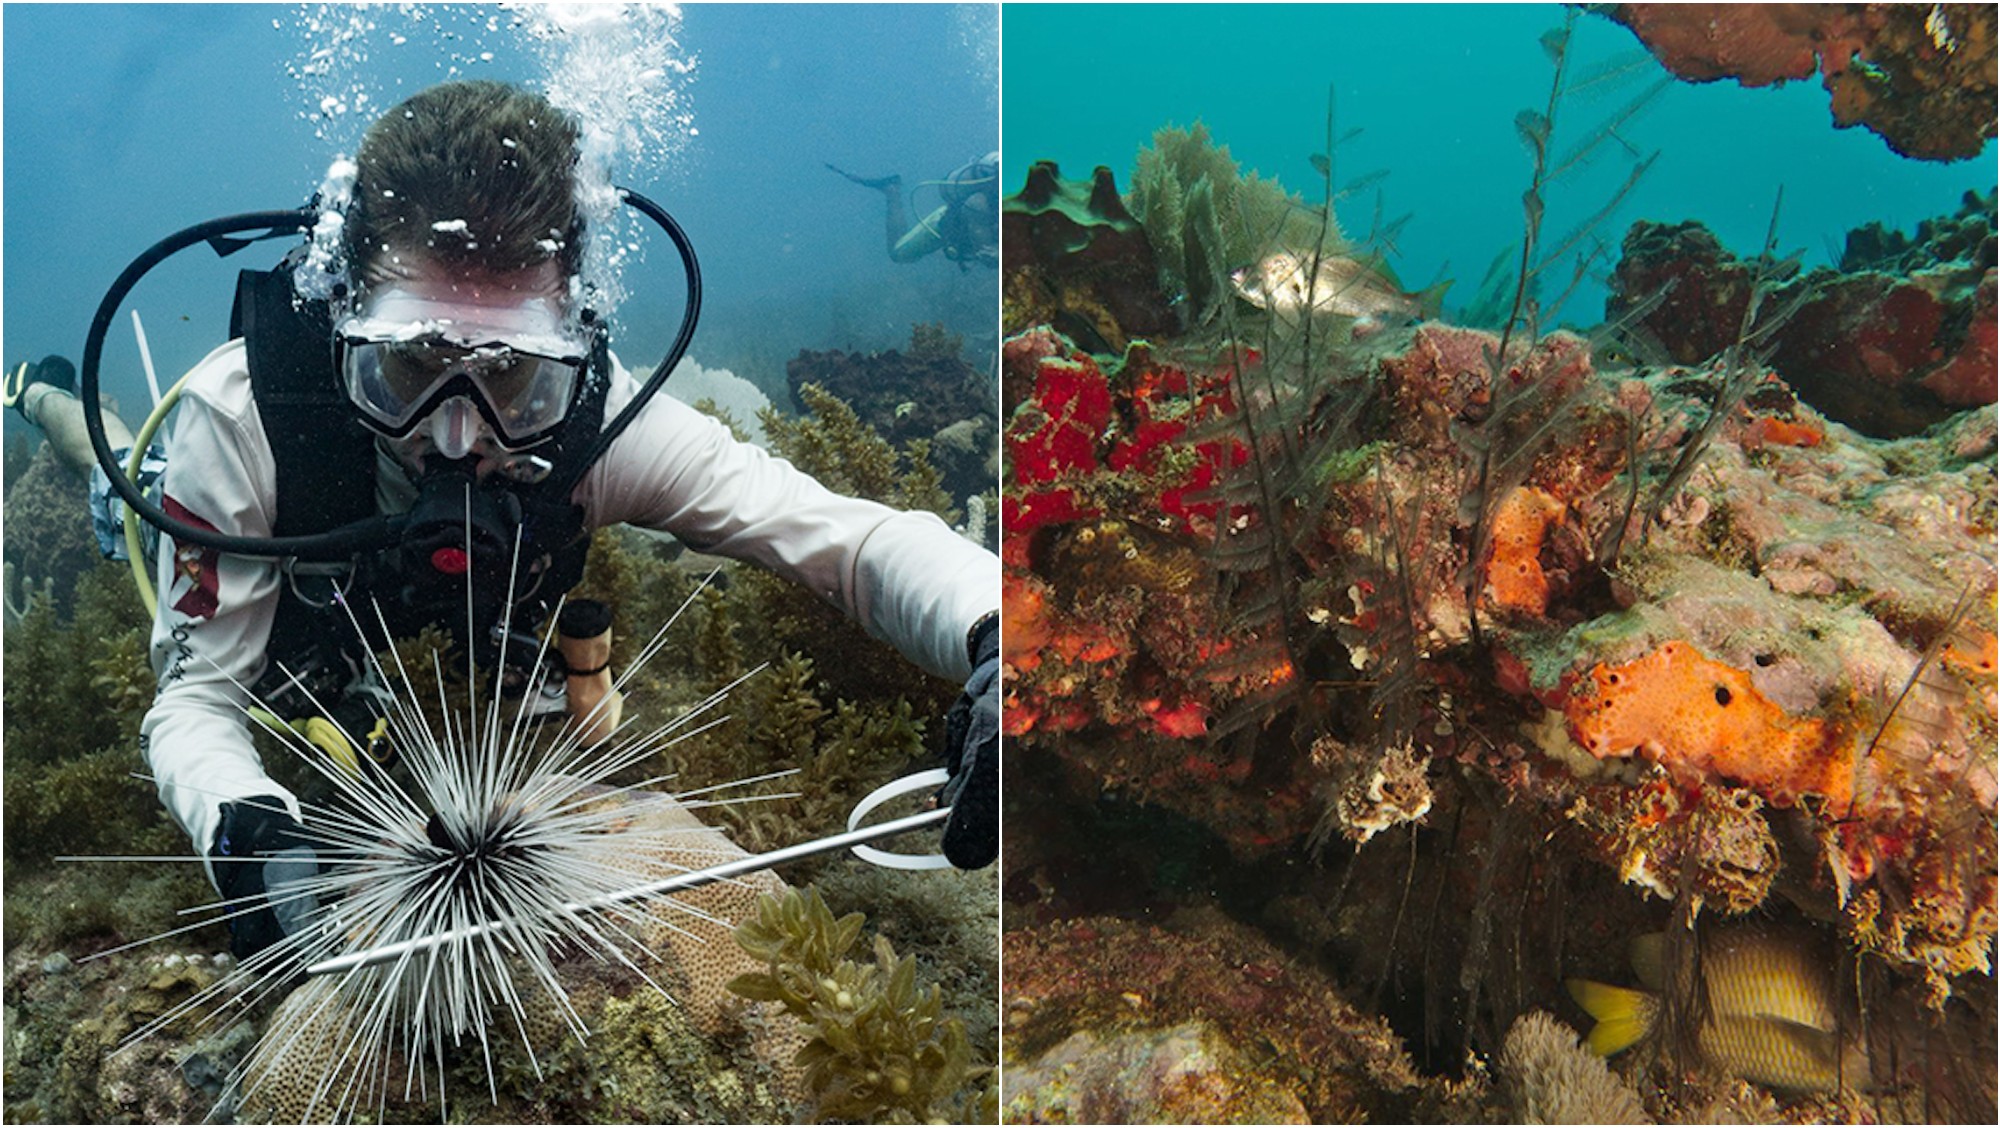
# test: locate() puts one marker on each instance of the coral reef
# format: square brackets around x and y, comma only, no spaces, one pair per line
[1074,256]
[1113,622]
[1436,662]
[1965,236]
[48,531]
[1751,621]
[1113,1021]
[1896,340]
[926,394]
[878,1047]
[845,709]
[1920,76]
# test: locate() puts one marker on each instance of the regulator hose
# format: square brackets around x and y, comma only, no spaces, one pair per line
[376,532]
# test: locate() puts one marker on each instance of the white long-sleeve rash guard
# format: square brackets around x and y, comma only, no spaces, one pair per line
[904,577]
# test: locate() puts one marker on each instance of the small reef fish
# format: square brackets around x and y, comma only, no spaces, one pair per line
[1771,1010]
[1283,282]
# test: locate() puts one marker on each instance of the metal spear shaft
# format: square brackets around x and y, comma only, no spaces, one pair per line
[354,961]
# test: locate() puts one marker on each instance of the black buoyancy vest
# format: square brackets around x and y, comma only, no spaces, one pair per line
[325,462]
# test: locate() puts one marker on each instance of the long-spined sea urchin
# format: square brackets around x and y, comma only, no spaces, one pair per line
[494,825]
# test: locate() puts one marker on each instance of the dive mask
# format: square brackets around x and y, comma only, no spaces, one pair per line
[407,357]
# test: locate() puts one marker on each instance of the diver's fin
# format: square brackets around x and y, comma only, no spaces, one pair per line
[15,383]
[1623,1015]
[55,371]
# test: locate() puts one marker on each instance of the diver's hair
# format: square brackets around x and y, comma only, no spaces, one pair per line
[499,158]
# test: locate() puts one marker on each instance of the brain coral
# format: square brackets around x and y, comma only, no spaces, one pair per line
[743,1066]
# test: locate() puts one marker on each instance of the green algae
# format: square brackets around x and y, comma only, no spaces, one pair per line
[76,690]
[880,1048]
[1204,215]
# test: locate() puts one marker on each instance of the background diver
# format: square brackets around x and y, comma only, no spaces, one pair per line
[44,392]
[965,226]
[460,359]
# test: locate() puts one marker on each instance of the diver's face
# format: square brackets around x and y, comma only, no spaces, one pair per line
[412,296]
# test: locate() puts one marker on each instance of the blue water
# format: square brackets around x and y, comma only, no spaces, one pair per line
[126,122]
[1435,89]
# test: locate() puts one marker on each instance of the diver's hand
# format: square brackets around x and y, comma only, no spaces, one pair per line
[262,858]
[972,750]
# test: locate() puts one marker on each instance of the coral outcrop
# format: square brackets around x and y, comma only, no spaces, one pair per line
[927,393]
[1896,340]
[1730,657]
[49,541]
[1919,75]
[1072,255]
[1113,622]
[1114,1021]
[1442,661]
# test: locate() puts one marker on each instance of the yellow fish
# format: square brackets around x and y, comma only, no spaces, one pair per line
[1771,1010]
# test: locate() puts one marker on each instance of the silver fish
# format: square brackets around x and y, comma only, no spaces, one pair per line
[1285,282]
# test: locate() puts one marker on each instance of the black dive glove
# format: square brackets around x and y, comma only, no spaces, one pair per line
[972,756]
[273,863]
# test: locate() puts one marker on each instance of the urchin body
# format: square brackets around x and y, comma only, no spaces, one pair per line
[493,821]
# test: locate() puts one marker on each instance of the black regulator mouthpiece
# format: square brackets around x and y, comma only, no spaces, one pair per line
[459,542]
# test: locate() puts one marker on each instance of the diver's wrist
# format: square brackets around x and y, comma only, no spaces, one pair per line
[984,629]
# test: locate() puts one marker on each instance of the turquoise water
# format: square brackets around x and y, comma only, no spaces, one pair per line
[1435,88]
[126,122]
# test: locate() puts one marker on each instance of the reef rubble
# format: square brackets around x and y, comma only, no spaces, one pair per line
[1114,1021]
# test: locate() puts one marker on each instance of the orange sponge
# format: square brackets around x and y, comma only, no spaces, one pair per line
[1769,430]
[1514,577]
[1024,621]
[1700,718]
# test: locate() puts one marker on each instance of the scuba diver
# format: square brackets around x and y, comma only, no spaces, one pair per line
[457,380]
[966,227]
[44,392]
